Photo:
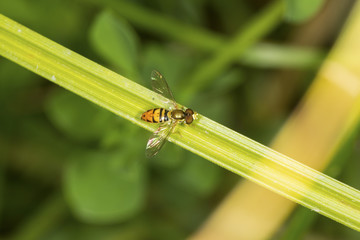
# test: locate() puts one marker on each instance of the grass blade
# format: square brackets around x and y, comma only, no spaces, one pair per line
[204,137]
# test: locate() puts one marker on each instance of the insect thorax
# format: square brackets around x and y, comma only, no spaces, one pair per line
[177,114]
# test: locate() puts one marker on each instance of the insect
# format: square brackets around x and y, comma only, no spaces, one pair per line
[167,118]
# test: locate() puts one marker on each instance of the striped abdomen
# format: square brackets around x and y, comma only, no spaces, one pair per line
[156,115]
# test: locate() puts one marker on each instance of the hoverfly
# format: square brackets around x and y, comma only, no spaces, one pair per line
[167,118]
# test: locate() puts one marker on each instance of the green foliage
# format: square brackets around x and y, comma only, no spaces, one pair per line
[298,11]
[116,42]
[47,133]
[104,187]
[78,118]
[198,176]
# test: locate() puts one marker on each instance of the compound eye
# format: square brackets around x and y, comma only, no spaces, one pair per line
[188,119]
[189,111]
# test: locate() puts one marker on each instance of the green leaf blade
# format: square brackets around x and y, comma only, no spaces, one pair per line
[204,137]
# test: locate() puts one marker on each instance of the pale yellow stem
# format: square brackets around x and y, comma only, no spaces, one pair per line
[326,117]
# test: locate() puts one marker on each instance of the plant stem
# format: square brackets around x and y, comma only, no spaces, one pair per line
[254,31]
[164,26]
[258,55]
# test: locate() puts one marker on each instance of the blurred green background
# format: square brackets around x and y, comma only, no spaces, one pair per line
[71,170]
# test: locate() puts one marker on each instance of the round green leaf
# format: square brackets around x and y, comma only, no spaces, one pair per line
[115,40]
[104,187]
[77,117]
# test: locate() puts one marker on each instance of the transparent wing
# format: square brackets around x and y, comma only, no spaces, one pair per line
[158,138]
[160,86]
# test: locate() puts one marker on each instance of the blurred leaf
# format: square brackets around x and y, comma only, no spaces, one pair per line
[132,230]
[45,218]
[189,11]
[104,187]
[160,25]
[170,157]
[76,117]
[120,135]
[115,41]
[255,29]
[48,17]
[13,77]
[265,55]
[228,81]
[162,229]
[35,149]
[231,15]
[2,177]
[173,62]
[177,199]
[215,107]
[298,11]
[198,175]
